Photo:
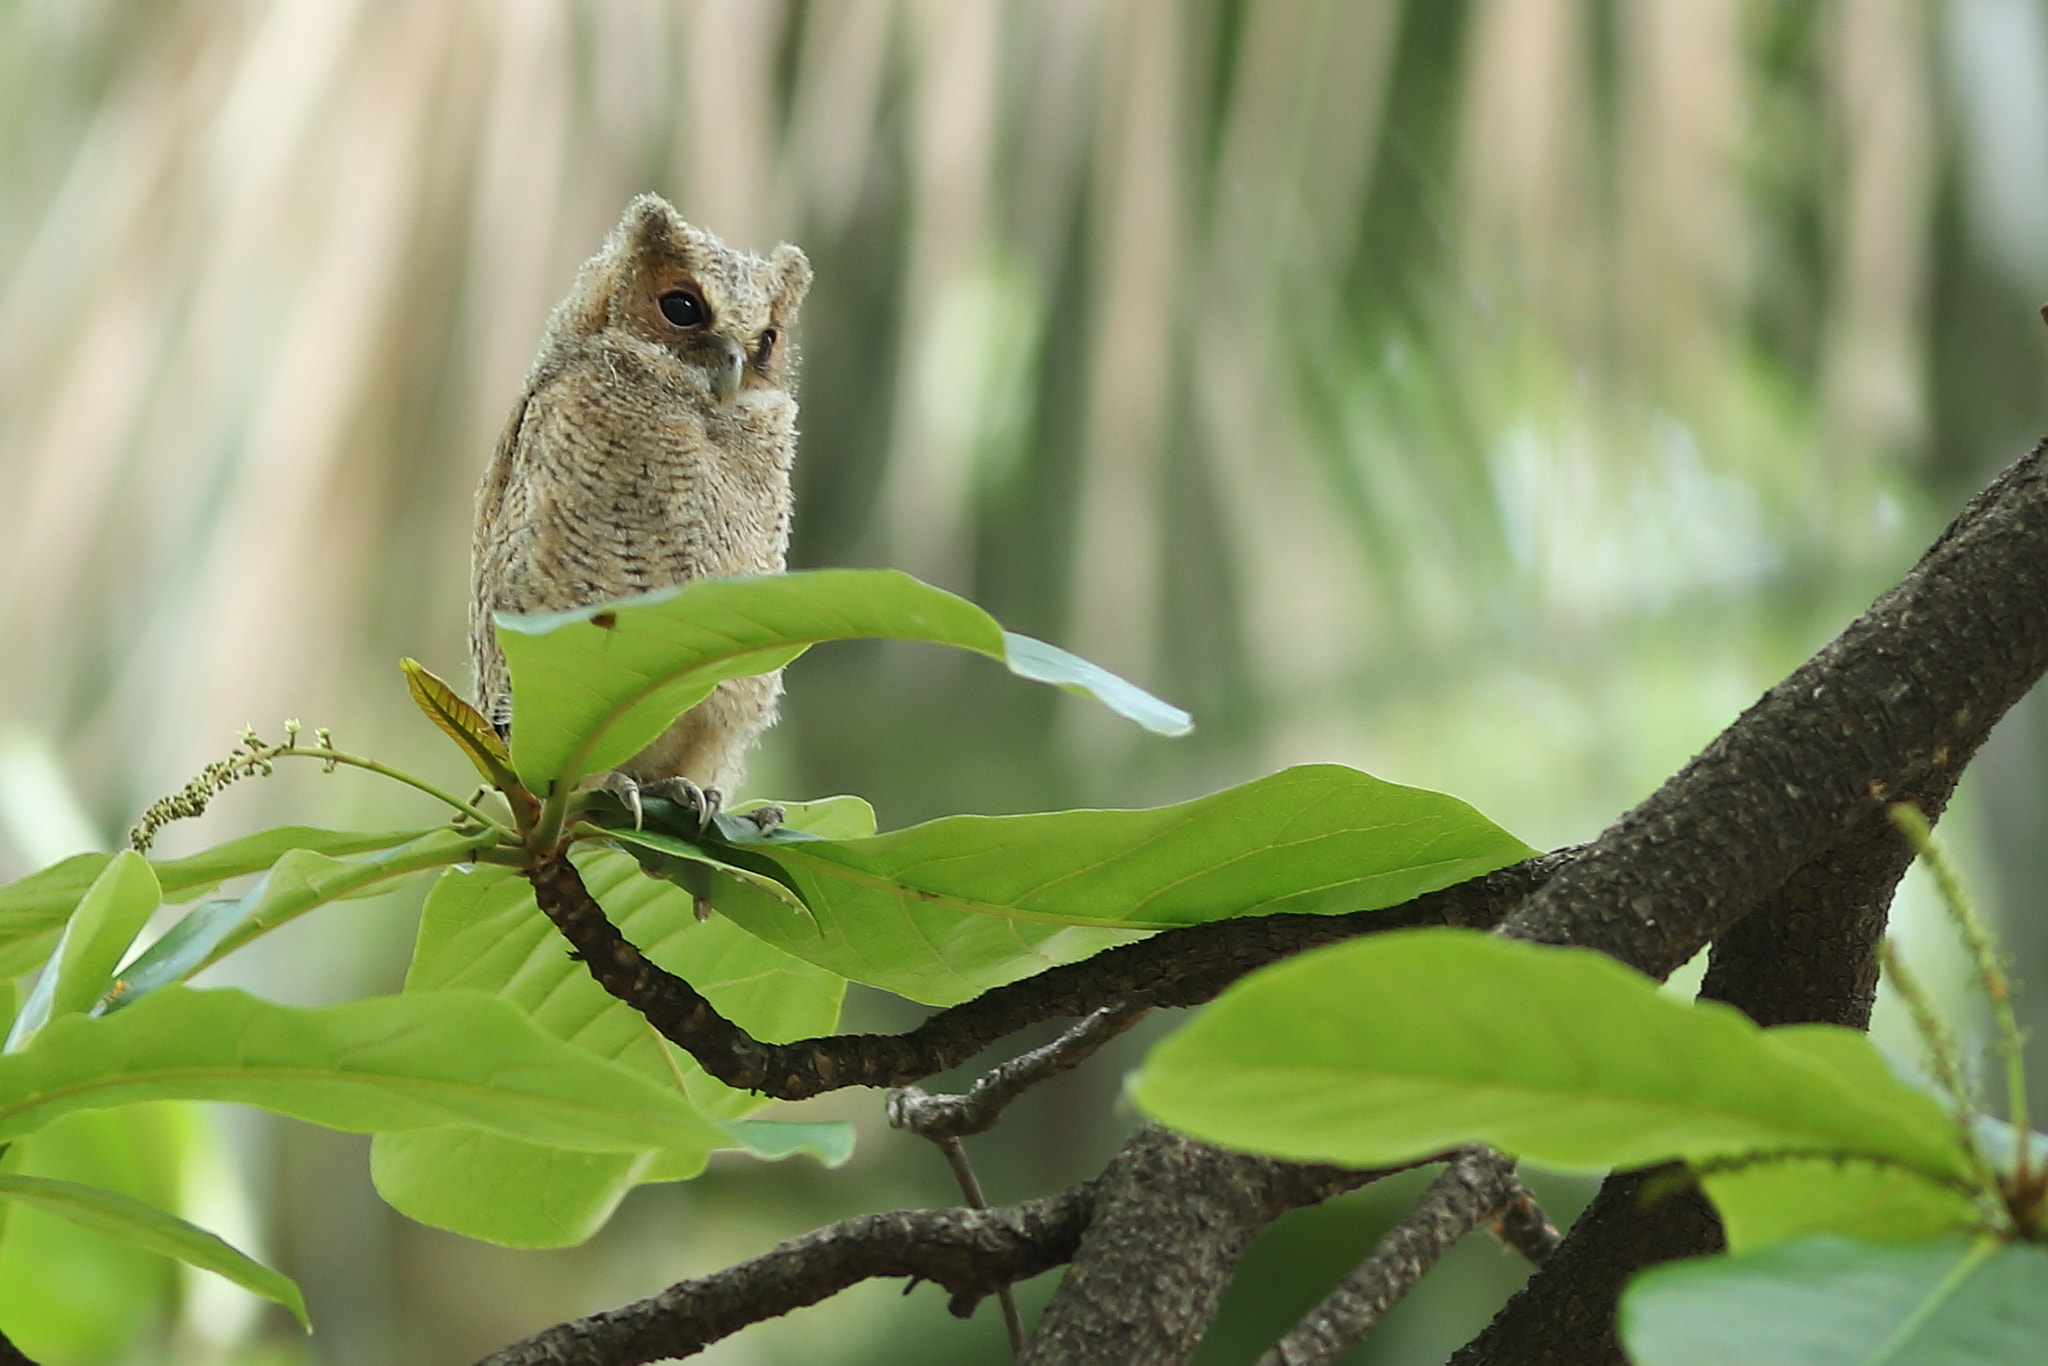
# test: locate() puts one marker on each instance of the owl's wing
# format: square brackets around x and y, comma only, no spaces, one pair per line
[490,494]
[486,568]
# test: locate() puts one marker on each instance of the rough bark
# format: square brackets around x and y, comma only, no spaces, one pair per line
[971,1253]
[1470,1191]
[1892,707]
[1807,953]
[1172,1217]
[1788,799]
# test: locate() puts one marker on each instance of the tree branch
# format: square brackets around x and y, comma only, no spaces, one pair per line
[969,1252]
[1172,968]
[1168,1201]
[10,1355]
[1893,706]
[940,1117]
[1892,709]
[1477,1185]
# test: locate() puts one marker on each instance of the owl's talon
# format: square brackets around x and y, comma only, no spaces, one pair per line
[705,801]
[627,790]
[768,819]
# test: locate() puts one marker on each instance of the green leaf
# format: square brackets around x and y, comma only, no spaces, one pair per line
[72,1294]
[1830,1302]
[300,881]
[1777,1201]
[943,911]
[587,697]
[481,929]
[1393,1047]
[688,866]
[130,1220]
[81,968]
[33,910]
[416,1061]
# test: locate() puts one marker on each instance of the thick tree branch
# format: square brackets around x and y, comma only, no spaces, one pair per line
[10,1355]
[969,1252]
[1895,705]
[1892,708]
[1172,968]
[1807,955]
[1172,1217]
[1902,699]
[1474,1188]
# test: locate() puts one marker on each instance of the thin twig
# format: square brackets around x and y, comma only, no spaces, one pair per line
[1522,1225]
[1472,1190]
[970,1189]
[944,1118]
[968,1252]
[939,1117]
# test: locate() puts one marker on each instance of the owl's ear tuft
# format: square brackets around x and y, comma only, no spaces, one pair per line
[649,221]
[792,279]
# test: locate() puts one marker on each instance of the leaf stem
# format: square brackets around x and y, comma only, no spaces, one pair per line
[1944,1056]
[335,756]
[1997,989]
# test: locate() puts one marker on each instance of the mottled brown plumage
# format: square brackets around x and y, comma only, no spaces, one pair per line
[651,446]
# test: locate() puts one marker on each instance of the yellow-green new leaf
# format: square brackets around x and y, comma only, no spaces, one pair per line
[460,722]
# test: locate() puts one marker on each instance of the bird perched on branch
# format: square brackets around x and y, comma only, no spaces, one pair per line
[650,446]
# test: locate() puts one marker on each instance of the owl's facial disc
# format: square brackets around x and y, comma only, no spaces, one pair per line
[688,319]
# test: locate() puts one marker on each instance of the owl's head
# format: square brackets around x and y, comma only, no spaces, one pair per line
[669,283]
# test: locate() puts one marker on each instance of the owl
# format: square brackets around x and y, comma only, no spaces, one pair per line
[651,445]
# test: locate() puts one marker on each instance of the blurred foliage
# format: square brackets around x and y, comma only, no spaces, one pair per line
[1492,394]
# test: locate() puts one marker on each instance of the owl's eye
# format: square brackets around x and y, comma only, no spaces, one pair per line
[684,308]
[764,350]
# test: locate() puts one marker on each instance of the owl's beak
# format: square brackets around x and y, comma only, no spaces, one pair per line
[725,375]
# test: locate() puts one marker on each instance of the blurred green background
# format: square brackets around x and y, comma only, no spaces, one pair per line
[1493,395]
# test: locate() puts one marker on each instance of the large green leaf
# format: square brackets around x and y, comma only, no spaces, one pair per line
[1827,1301]
[81,967]
[587,696]
[416,1061]
[35,908]
[1386,1049]
[130,1220]
[481,929]
[943,911]
[301,880]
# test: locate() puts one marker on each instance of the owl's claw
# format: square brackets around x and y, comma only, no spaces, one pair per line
[705,801]
[627,790]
